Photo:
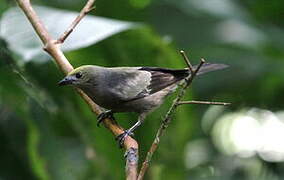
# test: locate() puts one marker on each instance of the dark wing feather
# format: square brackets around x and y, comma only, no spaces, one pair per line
[160,79]
[163,77]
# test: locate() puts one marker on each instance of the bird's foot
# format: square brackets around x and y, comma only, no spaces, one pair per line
[121,138]
[104,115]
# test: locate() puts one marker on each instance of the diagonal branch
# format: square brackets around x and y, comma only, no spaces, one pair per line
[185,58]
[53,48]
[168,117]
[86,9]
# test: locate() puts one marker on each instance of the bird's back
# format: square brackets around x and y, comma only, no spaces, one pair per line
[137,89]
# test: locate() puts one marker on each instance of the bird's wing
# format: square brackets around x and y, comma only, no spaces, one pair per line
[126,83]
[161,78]
[134,83]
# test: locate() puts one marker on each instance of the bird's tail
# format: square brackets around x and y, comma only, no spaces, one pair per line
[208,67]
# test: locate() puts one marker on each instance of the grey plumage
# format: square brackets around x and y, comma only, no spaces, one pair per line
[130,89]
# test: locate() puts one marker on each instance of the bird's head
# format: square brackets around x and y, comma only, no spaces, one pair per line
[78,77]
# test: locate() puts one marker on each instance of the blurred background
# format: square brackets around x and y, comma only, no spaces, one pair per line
[48,132]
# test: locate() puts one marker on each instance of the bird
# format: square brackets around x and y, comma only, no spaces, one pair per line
[129,89]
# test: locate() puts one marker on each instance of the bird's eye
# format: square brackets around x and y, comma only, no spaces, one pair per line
[78,75]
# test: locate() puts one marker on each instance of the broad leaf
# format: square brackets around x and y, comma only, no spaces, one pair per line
[22,39]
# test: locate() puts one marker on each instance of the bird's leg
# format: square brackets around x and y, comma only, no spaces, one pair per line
[129,132]
[103,115]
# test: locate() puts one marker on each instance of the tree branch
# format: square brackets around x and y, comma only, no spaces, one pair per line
[53,48]
[168,117]
[86,9]
[185,58]
[204,102]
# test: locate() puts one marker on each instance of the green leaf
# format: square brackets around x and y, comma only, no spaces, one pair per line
[17,31]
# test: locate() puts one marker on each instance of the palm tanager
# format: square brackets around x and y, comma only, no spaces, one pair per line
[129,89]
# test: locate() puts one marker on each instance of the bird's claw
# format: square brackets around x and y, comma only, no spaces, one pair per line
[104,115]
[121,138]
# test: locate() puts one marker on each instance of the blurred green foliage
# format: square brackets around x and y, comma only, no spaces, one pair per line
[48,132]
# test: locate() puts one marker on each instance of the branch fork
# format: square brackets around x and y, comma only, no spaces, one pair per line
[52,47]
[168,117]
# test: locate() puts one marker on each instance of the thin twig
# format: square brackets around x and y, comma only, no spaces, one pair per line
[204,102]
[167,119]
[86,9]
[53,48]
[186,61]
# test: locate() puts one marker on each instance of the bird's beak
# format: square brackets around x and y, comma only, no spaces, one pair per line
[66,81]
